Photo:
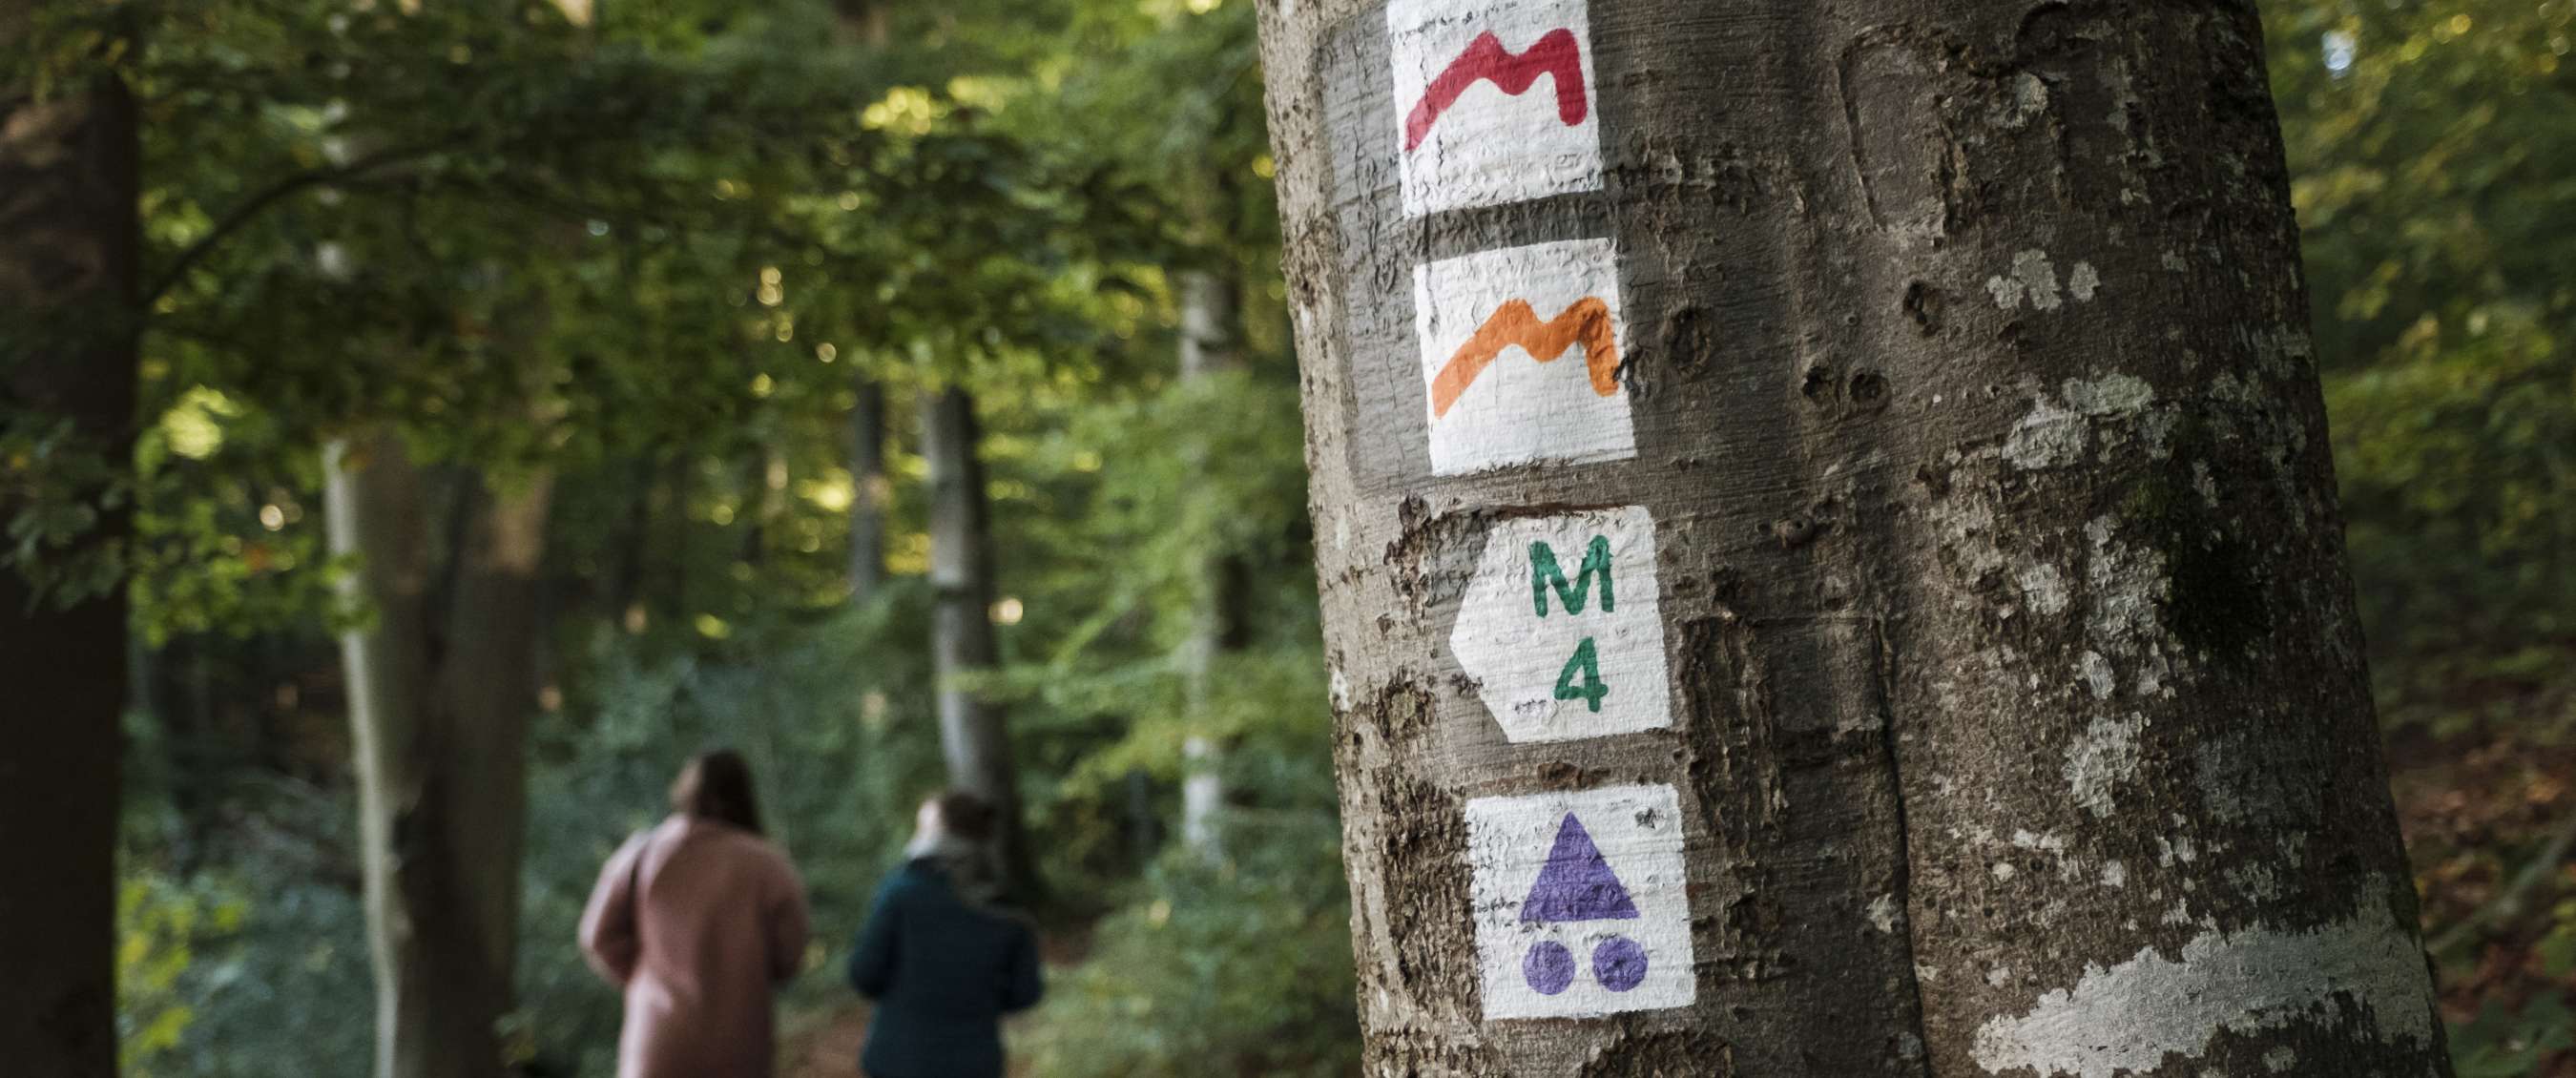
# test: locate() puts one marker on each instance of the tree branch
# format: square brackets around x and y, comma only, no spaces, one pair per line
[251,208]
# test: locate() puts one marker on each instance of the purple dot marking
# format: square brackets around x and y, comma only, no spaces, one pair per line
[1619,964]
[1549,967]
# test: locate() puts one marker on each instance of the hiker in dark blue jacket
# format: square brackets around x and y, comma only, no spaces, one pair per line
[941,966]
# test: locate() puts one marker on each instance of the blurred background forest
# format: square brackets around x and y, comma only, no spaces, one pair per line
[677,283]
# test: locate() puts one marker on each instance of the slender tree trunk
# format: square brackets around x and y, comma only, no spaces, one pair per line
[440,741]
[487,679]
[1211,332]
[866,25]
[1828,546]
[972,733]
[871,490]
[68,323]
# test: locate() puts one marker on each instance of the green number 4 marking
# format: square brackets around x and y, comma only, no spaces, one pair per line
[1585,666]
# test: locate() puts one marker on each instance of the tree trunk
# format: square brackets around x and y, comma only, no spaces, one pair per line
[1211,332]
[68,322]
[867,26]
[870,491]
[972,733]
[439,728]
[1828,546]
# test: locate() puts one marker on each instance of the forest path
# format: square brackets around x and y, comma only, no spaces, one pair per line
[829,1049]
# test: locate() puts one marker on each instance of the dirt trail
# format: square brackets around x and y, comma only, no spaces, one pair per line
[829,1049]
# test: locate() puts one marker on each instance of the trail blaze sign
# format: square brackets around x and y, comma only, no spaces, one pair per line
[1521,348]
[1581,902]
[1493,101]
[1560,627]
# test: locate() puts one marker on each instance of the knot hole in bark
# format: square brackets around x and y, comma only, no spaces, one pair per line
[1819,384]
[1687,338]
[1923,304]
[1862,390]
[1868,389]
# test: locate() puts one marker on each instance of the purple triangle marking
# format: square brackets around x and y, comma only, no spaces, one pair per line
[1576,884]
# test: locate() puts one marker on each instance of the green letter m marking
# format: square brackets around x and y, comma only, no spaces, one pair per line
[1545,574]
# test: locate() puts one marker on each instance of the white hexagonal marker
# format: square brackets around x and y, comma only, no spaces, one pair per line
[1561,630]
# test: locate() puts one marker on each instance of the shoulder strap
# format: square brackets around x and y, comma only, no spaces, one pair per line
[635,879]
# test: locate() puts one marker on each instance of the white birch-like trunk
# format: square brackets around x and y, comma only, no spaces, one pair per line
[974,734]
[1211,319]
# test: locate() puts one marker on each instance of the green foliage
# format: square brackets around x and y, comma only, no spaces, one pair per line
[161,924]
[654,258]
[2430,149]
[1232,967]
[254,971]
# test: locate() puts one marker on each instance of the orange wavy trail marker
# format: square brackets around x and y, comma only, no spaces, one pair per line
[1585,321]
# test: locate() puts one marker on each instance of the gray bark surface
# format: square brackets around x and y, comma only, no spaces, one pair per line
[2020,721]
[68,320]
[439,726]
[974,736]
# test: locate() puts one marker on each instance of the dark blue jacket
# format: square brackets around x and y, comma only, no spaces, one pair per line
[942,972]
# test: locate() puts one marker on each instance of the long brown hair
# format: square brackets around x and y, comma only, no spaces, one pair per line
[717,786]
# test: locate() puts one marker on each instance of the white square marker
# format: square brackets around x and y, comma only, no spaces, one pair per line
[1494,102]
[1521,348]
[1582,905]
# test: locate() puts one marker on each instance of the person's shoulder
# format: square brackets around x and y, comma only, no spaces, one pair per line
[1011,919]
[750,846]
[912,877]
[665,830]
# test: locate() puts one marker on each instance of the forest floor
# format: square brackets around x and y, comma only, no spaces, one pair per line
[2490,821]
[829,1049]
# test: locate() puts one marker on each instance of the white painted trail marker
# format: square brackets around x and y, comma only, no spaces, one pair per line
[1581,904]
[1493,101]
[1520,357]
[1561,630]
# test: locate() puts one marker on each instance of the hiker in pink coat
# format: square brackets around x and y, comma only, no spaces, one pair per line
[697,920]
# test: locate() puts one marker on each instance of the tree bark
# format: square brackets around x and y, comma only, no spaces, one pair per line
[1211,332]
[2001,663]
[439,726]
[69,238]
[973,735]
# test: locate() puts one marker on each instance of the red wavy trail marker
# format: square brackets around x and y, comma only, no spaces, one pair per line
[1555,53]
[1587,321]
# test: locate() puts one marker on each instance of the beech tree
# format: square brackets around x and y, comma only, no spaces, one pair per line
[1828,545]
[442,685]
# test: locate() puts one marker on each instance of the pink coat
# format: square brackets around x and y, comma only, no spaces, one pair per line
[720,922]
